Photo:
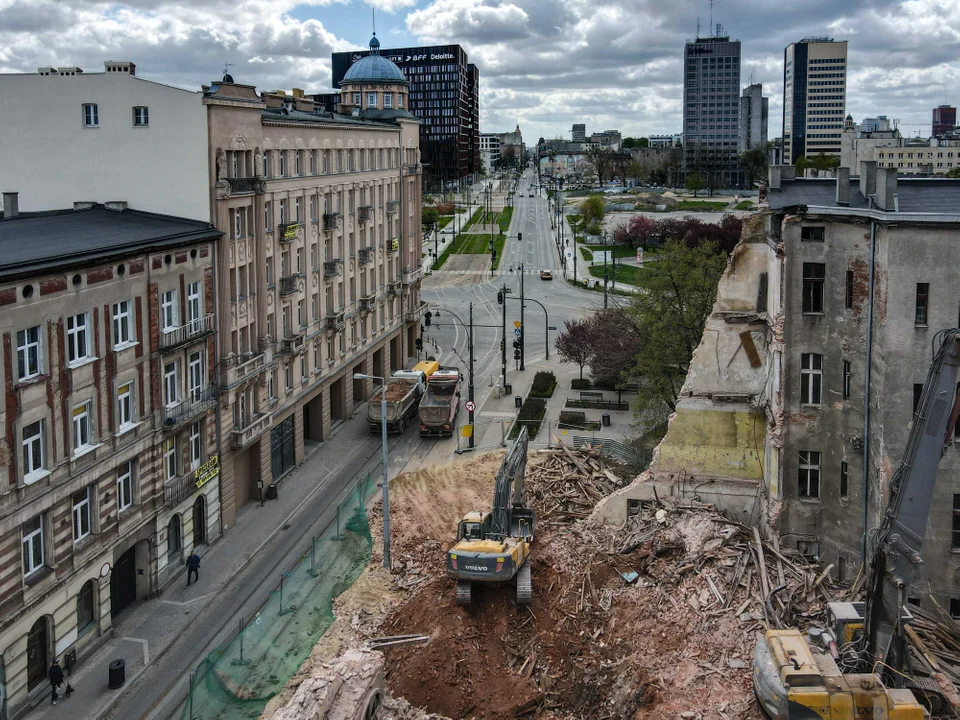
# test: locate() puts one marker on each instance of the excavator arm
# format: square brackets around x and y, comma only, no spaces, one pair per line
[509,485]
[898,542]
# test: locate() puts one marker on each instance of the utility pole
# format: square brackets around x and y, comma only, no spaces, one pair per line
[522,327]
[605,272]
[470,387]
[503,340]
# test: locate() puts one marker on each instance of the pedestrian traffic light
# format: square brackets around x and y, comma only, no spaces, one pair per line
[427,317]
[499,298]
[516,354]
[516,344]
[419,343]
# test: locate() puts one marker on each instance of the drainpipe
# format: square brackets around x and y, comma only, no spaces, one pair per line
[214,256]
[400,250]
[866,393]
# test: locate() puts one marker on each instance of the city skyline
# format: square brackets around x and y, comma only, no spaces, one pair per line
[544,64]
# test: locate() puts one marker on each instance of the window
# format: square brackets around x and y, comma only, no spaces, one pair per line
[356,98]
[923,303]
[917,394]
[388,100]
[848,291]
[809,474]
[81,514]
[196,446]
[173,535]
[811,379]
[193,306]
[846,379]
[121,323]
[296,210]
[371,100]
[170,394]
[32,451]
[845,477]
[141,117]
[266,165]
[29,353]
[811,234]
[170,458]
[81,427]
[169,312]
[841,568]
[32,545]
[85,610]
[77,337]
[283,163]
[955,608]
[813,274]
[399,100]
[91,115]
[125,486]
[296,162]
[125,414]
[195,375]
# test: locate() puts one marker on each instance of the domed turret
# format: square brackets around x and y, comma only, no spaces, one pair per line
[374,68]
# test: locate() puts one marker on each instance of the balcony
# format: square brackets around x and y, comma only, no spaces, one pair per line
[368,303]
[331,268]
[331,221]
[366,255]
[197,403]
[289,285]
[238,370]
[335,321]
[393,288]
[365,213]
[411,276]
[415,315]
[392,206]
[287,232]
[412,169]
[246,185]
[192,331]
[393,245]
[292,345]
[240,437]
[178,490]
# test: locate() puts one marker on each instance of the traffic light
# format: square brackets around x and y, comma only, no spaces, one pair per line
[419,343]
[427,315]
[516,344]
[499,298]
[516,354]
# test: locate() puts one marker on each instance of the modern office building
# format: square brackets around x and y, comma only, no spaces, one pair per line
[814,97]
[754,117]
[944,120]
[711,110]
[608,139]
[663,141]
[881,123]
[444,96]
[579,132]
[490,151]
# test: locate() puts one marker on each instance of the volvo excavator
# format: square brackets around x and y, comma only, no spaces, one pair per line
[494,547]
[858,666]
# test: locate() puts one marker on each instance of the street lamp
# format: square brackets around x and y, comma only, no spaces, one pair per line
[383,459]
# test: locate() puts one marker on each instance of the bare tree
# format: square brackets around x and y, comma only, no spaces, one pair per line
[599,158]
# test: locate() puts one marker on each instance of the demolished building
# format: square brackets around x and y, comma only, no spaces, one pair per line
[823,327]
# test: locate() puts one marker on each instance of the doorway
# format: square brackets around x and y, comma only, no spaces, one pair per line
[281,448]
[200,521]
[38,644]
[123,582]
[337,401]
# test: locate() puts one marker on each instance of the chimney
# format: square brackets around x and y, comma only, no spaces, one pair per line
[11,205]
[868,178]
[297,92]
[843,186]
[773,176]
[83,205]
[887,189]
[788,172]
[116,205]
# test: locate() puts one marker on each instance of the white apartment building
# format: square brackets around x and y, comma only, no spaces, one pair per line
[814,97]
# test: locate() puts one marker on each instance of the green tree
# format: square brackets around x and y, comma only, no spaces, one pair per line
[820,161]
[755,162]
[668,312]
[954,173]
[696,183]
[428,216]
[593,209]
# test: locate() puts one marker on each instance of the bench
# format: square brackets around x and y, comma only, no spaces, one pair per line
[591,395]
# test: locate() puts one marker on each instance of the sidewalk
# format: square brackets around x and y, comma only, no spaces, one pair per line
[144,631]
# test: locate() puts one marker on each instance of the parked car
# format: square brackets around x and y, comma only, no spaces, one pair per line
[546,275]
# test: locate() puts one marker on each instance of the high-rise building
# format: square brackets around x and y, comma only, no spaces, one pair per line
[881,123]
[579,132]
[754,114]
[814,97]
[711,114]
[445,97]
[944,120]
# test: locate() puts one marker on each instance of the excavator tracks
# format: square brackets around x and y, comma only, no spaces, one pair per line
[524,585]
[463,592]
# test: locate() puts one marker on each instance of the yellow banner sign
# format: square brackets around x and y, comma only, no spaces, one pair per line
[395,244]
[209,470]
[290,232]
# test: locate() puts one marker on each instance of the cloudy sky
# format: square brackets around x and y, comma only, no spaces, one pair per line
[545,64]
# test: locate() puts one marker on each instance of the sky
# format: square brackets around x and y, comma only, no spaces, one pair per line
[544,64]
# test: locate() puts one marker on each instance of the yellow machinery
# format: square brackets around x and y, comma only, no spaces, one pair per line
[859,666]
[494,547]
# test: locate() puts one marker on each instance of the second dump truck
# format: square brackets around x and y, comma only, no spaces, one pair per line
[440,403]
[404,391]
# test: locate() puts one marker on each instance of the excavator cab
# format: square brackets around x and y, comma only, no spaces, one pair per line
[473,526]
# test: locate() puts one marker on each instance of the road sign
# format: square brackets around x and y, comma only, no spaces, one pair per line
[470,405]
[569,254]
[517,332]
[516,324]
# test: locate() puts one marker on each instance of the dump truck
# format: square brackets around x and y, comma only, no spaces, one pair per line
[427,367]
[440,403]
[494,547]
[404,391]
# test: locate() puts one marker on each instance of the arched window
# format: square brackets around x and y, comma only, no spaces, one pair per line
[174,536]
[86,604]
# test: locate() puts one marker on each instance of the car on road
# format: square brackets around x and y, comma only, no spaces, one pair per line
[546,275]
[531,193]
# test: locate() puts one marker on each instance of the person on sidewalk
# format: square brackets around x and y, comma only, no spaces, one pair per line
[193,567]
[56,679]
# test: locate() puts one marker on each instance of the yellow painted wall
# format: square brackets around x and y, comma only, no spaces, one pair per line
[714,443]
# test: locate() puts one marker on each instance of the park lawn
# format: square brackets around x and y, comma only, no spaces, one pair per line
[586,254]
[444,221]
[743,205]
[619,251]
[628,274]
[700,205]
[504,220]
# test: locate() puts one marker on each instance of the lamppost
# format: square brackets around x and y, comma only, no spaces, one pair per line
[383,459]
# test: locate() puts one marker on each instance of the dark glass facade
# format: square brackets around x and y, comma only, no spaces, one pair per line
[445,97]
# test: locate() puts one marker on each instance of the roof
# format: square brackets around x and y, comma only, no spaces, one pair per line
[368,118]
[374,68]
[38,243]
[914,195]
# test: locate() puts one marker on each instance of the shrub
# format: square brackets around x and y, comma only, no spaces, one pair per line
[530,416]
[580,384]
[543,386]
[446,208]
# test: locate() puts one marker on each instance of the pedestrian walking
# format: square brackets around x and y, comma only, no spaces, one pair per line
[193,567]
[56,679]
